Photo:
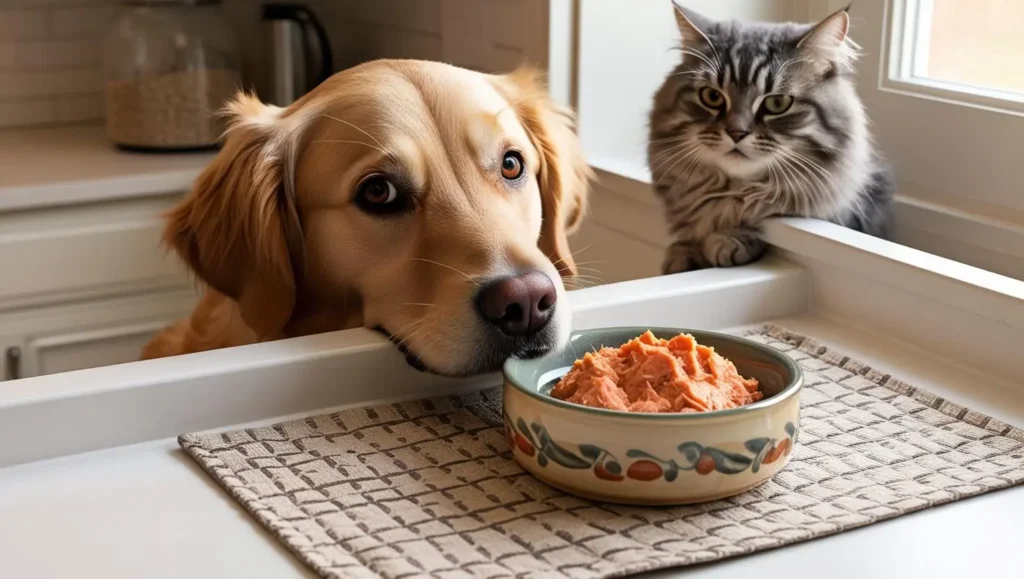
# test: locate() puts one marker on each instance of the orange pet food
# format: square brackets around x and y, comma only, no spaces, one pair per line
[651,375]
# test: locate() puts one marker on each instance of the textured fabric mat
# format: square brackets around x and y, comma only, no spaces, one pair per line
[428,489]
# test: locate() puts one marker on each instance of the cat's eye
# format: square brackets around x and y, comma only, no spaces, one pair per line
[776,104]
[712,98]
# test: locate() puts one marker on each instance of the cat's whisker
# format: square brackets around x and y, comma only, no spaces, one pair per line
[803,197]
[679,158]
[702,71]
[673,139]
[824,172]
[787,173]
[696,150]
[819,178]
[669,153]
[786,64]
[701,56]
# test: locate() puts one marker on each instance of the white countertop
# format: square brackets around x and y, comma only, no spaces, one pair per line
[70,165]
[148,510]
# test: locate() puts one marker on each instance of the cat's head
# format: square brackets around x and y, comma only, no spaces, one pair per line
[750,97]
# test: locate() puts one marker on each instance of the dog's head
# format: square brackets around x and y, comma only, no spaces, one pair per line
[427,201]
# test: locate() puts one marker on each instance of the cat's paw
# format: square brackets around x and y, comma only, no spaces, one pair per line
[681,257]
[734,248]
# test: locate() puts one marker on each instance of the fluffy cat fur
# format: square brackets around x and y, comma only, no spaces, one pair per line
[761,120]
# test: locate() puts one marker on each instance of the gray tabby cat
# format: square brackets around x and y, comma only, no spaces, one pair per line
[761,120]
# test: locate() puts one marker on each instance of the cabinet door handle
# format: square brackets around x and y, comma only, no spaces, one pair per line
[13,362]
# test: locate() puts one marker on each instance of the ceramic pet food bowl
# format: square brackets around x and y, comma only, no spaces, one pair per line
[652,459]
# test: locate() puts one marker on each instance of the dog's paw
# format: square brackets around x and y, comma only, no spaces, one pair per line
[733,248]
[681,257]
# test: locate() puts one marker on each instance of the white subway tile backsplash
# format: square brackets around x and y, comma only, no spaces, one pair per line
[88,21]
[8,53]
[418,15]
[51,51]
[510,22]
[78,108]
[23,24]
[44,84]
[23,114]
[59,54]
[372,41]
[51,65]
[507,59]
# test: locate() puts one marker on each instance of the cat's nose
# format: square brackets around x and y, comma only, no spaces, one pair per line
[737,135]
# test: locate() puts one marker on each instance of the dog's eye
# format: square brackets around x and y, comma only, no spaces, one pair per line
[512,166]
[377,194]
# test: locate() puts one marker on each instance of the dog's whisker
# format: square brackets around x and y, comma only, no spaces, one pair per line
[382,151]
[415,334]
[590,277]
[419,304]
[572,254]
[587,279]
[456,270]
[575,356]
[410,325]
[583,284]
[374,139]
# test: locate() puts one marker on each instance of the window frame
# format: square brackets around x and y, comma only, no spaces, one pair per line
[903,58]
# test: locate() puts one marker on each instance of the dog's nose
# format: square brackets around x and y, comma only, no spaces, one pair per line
[519,305]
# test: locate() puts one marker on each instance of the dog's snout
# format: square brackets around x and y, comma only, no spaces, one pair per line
[519,305]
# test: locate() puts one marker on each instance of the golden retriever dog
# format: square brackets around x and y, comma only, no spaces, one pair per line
[425,201]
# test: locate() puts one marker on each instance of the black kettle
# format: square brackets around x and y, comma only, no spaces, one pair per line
[300,52]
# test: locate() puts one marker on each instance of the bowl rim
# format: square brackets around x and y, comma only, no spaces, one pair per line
[791,389]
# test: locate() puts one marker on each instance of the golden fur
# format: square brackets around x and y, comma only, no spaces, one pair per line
[271,229]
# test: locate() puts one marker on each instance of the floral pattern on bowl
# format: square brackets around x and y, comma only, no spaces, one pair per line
[644,466]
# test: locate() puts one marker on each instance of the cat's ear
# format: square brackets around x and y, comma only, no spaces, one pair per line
[829,42]
[693,26]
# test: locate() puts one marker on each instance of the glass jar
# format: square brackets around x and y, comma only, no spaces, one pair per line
[171,65]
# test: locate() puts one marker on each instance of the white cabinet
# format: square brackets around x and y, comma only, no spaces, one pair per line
[89,334]
[11,349]
[75,351]
[86,285]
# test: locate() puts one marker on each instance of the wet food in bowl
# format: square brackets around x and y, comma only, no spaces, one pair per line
[648,374]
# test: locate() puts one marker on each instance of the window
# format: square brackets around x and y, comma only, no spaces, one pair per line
[971,52]
[942,81]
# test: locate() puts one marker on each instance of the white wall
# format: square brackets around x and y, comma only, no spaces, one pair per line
[626,49]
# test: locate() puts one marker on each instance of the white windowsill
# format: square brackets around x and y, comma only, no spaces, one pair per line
[987,235]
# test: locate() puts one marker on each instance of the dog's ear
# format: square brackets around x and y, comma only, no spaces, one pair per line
[564,173]
[238,229]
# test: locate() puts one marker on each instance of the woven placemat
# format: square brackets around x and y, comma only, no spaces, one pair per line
[428,488]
